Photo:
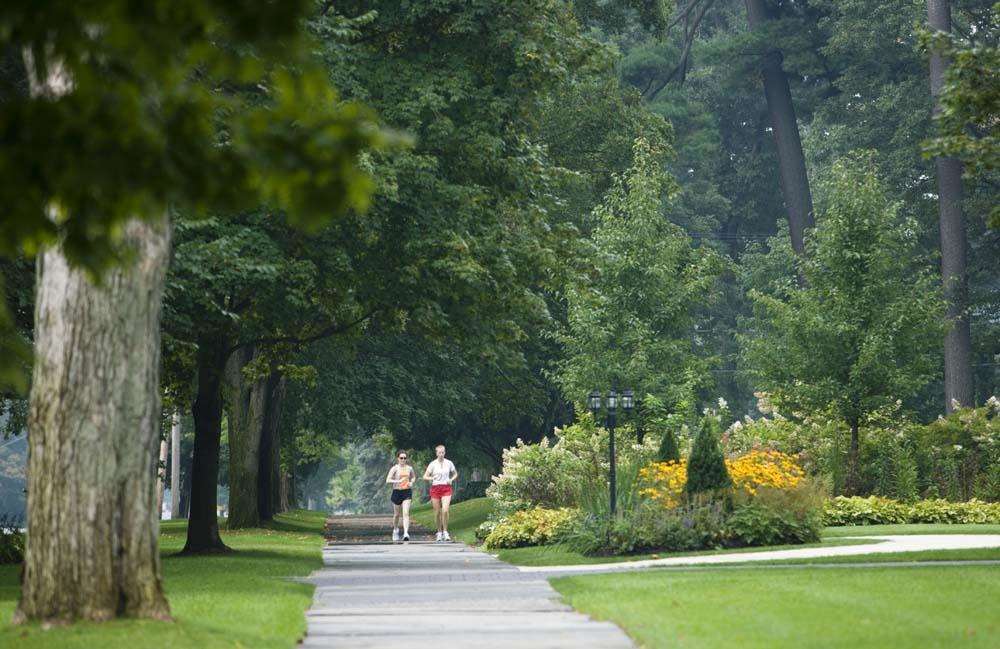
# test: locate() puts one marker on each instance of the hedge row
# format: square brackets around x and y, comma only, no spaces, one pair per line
[876,510]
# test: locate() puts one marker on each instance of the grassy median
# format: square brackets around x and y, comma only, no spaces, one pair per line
[240,600]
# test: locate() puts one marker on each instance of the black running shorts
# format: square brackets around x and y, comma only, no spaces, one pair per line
[399,495]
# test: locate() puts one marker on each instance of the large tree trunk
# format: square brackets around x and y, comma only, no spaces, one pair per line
[269,475]
[791,161]
[246,402]
[92,542]
[203,522]
[958,340]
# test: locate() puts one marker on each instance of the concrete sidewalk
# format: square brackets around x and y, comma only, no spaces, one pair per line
[377,594]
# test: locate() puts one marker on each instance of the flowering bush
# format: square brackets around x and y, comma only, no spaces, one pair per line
[537,526]
[541,474]
[875,510]
[664,481]
[555,474]
[765,469]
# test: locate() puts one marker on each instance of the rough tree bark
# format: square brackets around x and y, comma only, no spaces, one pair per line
[203,522]
[269,471]
[954,277]
[246,401]
[791,161]
[92,549]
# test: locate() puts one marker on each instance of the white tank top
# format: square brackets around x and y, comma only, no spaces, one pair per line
[441,471]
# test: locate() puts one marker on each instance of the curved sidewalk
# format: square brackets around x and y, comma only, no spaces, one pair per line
[881,544]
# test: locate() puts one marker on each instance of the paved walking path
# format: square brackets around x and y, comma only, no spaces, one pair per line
[879,545]
[375,594]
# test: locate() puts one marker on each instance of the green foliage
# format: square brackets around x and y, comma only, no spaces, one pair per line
[875,510]
[776,517]
[630,318]
[669,451]
[969,98]
[706,466]
[959,453]
[11,540]
[537,526]
[541,474]
[860,330]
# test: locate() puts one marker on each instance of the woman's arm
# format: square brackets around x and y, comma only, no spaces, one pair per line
[389,479]
[454,474]
[427,473]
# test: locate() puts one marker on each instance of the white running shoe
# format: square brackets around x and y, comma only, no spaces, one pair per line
[406,538]
[439,537]
[446,537]
[395,534]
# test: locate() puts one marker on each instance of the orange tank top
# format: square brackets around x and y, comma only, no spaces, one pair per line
[403,475]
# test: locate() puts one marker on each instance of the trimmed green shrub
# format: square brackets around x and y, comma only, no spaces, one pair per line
[649,528]
[875,510]
[706,467]
[669,450]
[538,526]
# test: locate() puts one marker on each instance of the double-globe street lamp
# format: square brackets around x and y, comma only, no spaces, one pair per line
[627,401]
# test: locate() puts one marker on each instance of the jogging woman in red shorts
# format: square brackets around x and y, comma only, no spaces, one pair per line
[441,472]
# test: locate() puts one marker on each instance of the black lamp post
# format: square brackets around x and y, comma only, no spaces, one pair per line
[627,401]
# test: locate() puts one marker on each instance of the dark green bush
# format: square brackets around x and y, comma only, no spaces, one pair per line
[11,540]
[669,449]
[706,467]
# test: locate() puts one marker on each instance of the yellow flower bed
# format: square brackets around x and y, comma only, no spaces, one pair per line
[757,469]
[768,469]
[666,482]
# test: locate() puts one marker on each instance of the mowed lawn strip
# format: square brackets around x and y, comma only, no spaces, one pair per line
[241,600]
[934,606]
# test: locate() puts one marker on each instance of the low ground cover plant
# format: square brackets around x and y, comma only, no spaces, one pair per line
[875,510]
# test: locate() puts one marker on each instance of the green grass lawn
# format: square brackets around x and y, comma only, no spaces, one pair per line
[934,606]
[884,530]
[970,554]
[239,600]
[555,555]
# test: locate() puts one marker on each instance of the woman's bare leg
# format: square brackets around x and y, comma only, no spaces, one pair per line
[436,502]
[445,507]
[406,517]
[396,514]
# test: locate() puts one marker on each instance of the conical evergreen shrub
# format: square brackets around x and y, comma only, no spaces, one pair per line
[706,468]
[669,449]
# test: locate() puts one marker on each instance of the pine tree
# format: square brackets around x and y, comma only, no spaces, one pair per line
[669,450]
[706,468]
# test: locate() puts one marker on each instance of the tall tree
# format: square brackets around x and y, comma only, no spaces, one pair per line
[631,319]
[114,83]
[791,160]
[92,547]
[861,331]
[954,276]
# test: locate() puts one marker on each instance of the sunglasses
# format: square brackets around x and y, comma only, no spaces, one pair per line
[401,457]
